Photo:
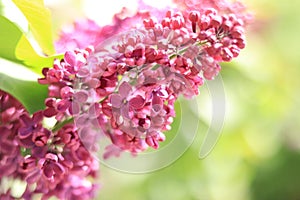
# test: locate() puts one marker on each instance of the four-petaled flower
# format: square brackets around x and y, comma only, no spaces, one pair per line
[126,102]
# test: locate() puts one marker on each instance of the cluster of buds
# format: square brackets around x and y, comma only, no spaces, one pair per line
[123,89]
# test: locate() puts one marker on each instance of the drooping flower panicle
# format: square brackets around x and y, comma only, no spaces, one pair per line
[122,87]
[156,63]
[135,79]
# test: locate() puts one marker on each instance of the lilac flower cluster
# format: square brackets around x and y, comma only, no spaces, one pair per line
[124,89]
[130,85]
[47,160]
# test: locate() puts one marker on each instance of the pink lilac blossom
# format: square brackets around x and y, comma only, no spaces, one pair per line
[135,82]
[76,36]
[124,89]
[49,159]
[10,112]
[128,107]
[85,32]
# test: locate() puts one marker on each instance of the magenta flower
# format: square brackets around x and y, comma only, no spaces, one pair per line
[68,135]
[52,170]
[122,105]
[30,124]
[122,142]
[32,132]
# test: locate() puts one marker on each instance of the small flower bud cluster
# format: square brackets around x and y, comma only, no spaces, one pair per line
[223,6]
[224,35]
[206,38]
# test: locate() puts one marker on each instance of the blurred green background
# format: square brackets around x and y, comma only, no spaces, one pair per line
[258,154]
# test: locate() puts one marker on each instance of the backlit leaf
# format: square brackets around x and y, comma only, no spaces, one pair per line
[39,20]
[16,47]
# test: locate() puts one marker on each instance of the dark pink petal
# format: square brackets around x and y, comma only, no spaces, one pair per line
[48,170]
[157,103]
[5,132]
[70,58]
[137,102]
[33,177]
[50,102]
[66,138]
[66,92]
[82,153]
[39,152]
[9,168]
[67,163]
[152,142]
[40,138]
[7,147]
[26,142]
[25,132]
[58,168]
[28,164]
[54,90]
[25,119]
[50,112]
[63,105]
[37,117]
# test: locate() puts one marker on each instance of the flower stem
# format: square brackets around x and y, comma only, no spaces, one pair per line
[61,124]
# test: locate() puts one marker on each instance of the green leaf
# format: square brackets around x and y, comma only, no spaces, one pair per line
[16,47]
[31,94]
[40,22]
[9,38]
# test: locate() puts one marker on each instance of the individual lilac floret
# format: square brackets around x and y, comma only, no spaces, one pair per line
[32,133]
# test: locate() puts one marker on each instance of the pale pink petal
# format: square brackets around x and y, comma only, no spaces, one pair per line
[124,89]
[116,100]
